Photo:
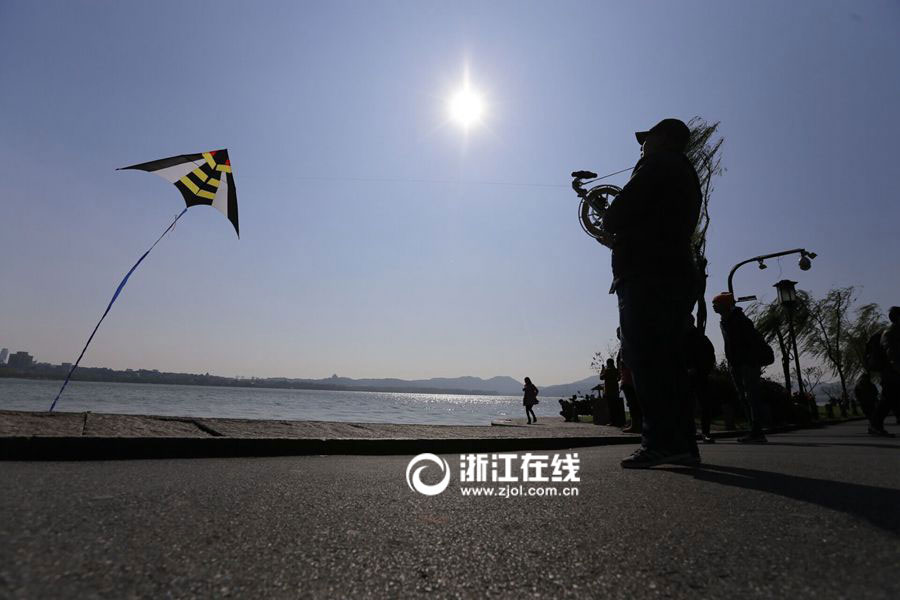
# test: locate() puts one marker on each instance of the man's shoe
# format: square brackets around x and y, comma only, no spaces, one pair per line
[880,432]
[709,440]
[631,429]
[752,438]
[644,458]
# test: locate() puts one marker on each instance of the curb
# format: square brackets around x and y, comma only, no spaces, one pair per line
[95,448]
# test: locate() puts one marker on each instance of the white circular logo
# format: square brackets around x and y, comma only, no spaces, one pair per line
[415,482]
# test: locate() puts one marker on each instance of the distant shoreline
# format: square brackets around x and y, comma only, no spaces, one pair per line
[154,377]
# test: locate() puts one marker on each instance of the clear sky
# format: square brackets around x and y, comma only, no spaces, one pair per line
[379,239]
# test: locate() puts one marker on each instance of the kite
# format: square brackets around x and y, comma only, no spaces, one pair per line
[203,179]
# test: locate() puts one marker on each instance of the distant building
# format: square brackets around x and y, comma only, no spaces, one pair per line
[20,360]
[3,354]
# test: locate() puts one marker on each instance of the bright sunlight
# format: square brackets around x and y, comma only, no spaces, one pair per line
[466,107]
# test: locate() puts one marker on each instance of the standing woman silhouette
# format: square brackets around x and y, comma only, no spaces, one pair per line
[529,400]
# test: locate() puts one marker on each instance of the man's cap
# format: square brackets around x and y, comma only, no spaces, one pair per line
[673,129]
[723,298]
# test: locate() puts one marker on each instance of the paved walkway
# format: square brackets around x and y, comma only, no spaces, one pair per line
[812,514]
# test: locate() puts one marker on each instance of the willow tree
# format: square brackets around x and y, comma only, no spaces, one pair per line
[704,152]
[827,338]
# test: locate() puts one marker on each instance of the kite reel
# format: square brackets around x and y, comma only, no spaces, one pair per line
[594,202]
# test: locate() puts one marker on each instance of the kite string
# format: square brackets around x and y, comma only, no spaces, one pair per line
[115,295]
[428,181]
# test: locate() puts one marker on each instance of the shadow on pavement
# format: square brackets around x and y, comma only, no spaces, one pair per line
[877,505]
[825,444]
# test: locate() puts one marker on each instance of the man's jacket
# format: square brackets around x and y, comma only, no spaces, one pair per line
[741,339]
[653,219]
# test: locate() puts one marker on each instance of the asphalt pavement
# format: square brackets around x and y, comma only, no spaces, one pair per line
[812,514]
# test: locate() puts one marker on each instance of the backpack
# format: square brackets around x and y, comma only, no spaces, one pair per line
[764,353]
[708,355]
[703,354]
[874,360]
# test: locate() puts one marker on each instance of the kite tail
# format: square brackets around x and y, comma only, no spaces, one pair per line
[116,295]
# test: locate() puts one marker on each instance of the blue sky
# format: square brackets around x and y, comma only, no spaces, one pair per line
[372,244]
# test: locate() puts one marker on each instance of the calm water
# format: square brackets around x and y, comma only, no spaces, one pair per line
[246,403]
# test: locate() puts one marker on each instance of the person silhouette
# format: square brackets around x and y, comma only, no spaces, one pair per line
[529,400]
[866,394]
[890,376]
[741,340]
[610,376]
[626,384]
[656,281]
[701,360]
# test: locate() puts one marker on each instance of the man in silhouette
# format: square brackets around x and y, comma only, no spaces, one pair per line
[866,394]
[610,377]
[890,375]
[626,383]
[741,344]
[701,357]
[654,276]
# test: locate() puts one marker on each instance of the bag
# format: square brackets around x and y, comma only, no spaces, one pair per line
[764,353]
[874,360]
[706,359]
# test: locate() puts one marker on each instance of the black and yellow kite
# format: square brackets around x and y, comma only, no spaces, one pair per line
[203,179]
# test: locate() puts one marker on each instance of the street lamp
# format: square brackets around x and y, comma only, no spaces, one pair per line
[787,298]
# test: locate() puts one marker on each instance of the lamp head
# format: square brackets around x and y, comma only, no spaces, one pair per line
[787,294]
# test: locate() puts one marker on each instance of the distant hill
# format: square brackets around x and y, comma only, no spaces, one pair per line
[506,386]
[501,385]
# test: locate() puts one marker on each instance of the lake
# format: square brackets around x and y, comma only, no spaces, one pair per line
[258,403]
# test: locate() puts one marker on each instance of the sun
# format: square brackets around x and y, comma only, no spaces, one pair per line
[466,107]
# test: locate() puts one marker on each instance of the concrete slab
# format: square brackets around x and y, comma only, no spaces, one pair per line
[102,425]
[14,423]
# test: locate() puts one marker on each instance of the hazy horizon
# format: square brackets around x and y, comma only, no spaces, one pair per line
[379,239]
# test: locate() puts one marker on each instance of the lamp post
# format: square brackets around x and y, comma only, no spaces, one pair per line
[787,298]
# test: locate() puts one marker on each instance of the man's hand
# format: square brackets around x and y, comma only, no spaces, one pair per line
[607,239]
